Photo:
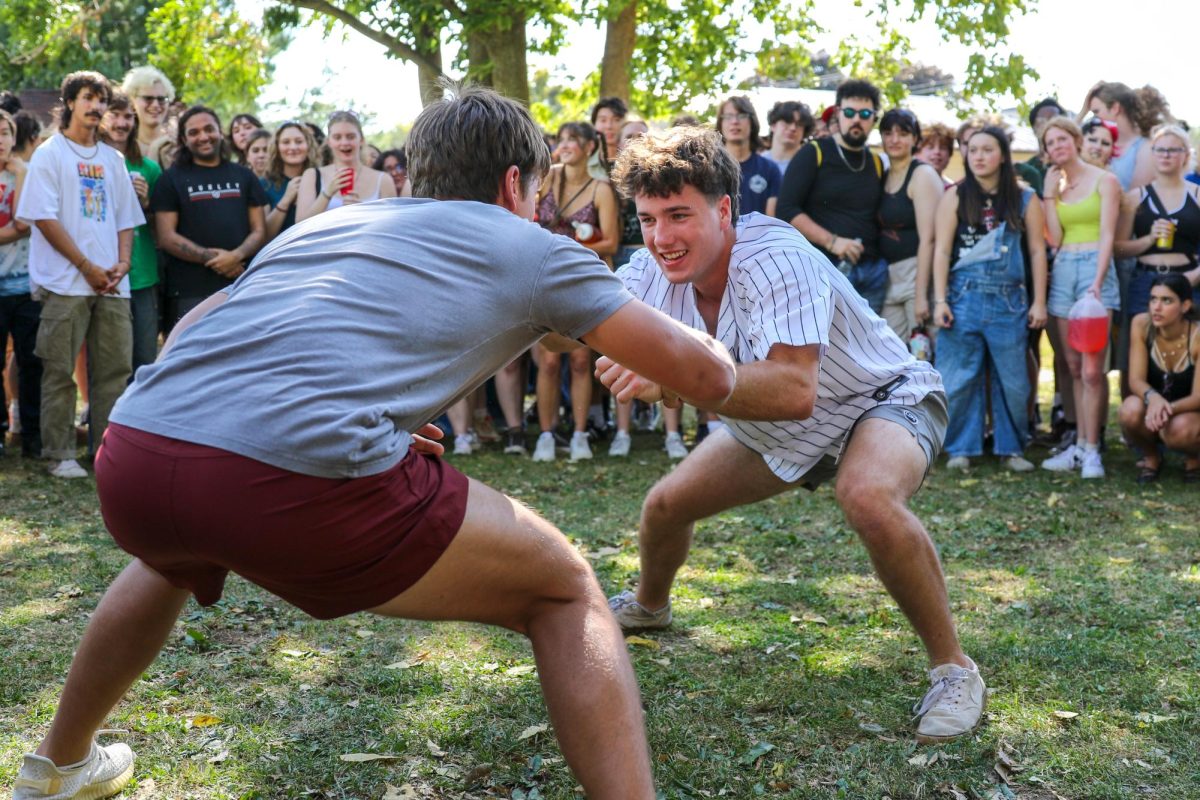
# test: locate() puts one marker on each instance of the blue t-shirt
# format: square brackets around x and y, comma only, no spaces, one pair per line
[760,182]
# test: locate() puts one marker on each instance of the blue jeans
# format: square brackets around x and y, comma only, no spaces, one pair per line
[143,304]
[870,279]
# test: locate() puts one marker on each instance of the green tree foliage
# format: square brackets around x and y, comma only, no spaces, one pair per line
[205,47]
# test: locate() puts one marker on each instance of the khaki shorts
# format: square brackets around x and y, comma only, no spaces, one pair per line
[926,422]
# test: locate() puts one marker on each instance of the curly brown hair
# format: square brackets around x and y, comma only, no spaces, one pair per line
[661,163]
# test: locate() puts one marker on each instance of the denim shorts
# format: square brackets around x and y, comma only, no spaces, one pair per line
[1073,273]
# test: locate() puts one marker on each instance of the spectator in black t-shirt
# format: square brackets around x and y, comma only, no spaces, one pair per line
[208,214]
[832,188]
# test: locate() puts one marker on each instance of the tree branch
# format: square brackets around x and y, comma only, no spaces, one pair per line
[394,45]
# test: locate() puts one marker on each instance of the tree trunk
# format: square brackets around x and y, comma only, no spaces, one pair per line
[427,79]
[619,39]
[479,60]
[506,49]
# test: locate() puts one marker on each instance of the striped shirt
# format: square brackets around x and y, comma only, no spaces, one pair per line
[782,290]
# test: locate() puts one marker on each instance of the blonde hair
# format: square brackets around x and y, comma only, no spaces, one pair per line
[140,78]
[1171,129]
[1065,124]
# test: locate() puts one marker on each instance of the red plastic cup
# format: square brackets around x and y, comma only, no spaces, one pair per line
[348,187]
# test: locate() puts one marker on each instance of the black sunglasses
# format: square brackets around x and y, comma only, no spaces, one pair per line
[863,113]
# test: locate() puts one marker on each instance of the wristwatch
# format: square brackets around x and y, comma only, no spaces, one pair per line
[1146,396]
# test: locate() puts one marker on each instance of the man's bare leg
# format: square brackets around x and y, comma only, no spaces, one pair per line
[882,468]
[509,567]
[125,634]
[721,473]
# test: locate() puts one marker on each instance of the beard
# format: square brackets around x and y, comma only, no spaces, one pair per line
[855,137]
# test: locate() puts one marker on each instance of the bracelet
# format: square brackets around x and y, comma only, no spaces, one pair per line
[832,242]
[79,265]
[1146,396]
[941,302]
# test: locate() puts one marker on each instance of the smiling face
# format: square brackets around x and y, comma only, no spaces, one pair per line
[936,154]
[573,150]
[898,143]
[87,109]
[293,147]
[202,137]
[608,125]
[687,235]
[150,104]
[119,124]
[346,143]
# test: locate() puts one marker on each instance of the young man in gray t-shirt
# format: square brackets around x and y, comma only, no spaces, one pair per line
[281,436]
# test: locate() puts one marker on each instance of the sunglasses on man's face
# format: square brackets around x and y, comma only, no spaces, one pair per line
[152,99]
[862,113]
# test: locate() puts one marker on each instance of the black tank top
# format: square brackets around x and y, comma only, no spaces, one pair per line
[898,238]
[1187,223]
[1171,385]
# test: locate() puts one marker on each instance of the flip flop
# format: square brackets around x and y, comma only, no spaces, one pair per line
[1147,474]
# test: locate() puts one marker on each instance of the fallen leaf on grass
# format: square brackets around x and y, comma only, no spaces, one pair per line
[524,669]
[953,792]
[419,658]
[1065,715]
[219,757]
[477,775]
[364,633]
[871,727]
[295,653]
[706,602]
[204,720]
[815,619]
[1053,500]
[66,592]
[358,758]
[1142,716]
[639,641]
[405,792]
[968,483]
[604,551]
[433,749]
[926,759]
[532,731]
[756,752]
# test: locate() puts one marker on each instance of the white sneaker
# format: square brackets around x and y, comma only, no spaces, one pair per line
[103,773]
[674,446]
[1092,466]
[68,468]
[1067,461]
[580,449]
[620,445]
[953,705]
[14,415]
[958,462]
[544,450]
[463,446]
[1017,464]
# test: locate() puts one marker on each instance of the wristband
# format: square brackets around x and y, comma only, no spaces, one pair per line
[941,302]
[1146,396]
[832,242]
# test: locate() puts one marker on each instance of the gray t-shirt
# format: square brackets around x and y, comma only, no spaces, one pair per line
[358,326]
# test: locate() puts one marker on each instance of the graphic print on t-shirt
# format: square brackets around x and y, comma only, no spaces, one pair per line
[223,190]
[93,195]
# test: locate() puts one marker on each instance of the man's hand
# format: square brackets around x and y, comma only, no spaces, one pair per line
[627,385]
[225,263]
[423,441]
[141,189]
[848,249]
[96,278]
[115,273]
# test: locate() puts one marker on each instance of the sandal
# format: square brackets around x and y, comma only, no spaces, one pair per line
[1147,474]
[1191,474]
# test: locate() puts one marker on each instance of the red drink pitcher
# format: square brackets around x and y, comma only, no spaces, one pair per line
[1087,328]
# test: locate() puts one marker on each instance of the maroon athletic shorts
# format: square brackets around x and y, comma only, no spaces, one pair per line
[328,546]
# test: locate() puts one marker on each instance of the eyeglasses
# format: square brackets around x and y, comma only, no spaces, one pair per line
[1168,151]
[152,99]
[741,116]
[862,113]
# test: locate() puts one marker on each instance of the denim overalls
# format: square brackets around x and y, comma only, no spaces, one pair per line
[987,296]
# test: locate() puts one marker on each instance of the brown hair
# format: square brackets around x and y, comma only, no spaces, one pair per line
[275,173]
[937,133]
[1145,107]
[5,117]
[131,151]
[461,146]
[660,164]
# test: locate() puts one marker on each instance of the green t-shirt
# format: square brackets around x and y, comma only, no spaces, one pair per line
[143,266]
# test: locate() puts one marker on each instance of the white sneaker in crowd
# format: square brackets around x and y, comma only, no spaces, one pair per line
[103,773]
[674,446]
[1092,466]
[1017,464]
[619,448]
[68,468]
[580,449]
[953,705]
[463,445]
[544,449]
[1067,461]
[958,462]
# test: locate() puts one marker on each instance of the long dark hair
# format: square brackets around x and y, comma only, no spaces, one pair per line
[1007,200]
[132,151]
[183,156]
[1181,287]
[253,120]
[742,104]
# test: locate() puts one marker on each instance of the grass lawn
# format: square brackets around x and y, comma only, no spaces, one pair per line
[788,673]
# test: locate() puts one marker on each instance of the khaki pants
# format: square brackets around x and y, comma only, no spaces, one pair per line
[66,323]
[898,309]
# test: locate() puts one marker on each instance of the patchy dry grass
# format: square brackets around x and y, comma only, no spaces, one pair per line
[788,673]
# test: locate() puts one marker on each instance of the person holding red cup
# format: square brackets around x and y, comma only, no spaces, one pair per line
[347,179]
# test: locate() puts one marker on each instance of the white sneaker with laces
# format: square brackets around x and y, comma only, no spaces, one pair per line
[633,616]
[619,448]
[68,468]
[544,449]
[1092,466]
[103,773]
[958,462]
[953,705]
[1068,460]
[463,446]
[1017,464]
[580,449]
[674,446]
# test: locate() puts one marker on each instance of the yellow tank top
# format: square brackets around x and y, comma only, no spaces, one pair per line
[1080,220]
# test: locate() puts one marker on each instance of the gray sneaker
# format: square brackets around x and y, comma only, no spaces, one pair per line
[953,705]
[633,616]
[103,773]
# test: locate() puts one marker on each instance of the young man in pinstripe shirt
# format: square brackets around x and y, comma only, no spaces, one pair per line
[825,391]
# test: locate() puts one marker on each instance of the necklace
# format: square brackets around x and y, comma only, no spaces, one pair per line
[84,156]
[842,153]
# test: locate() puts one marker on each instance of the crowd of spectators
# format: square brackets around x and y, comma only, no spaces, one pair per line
[132,208]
